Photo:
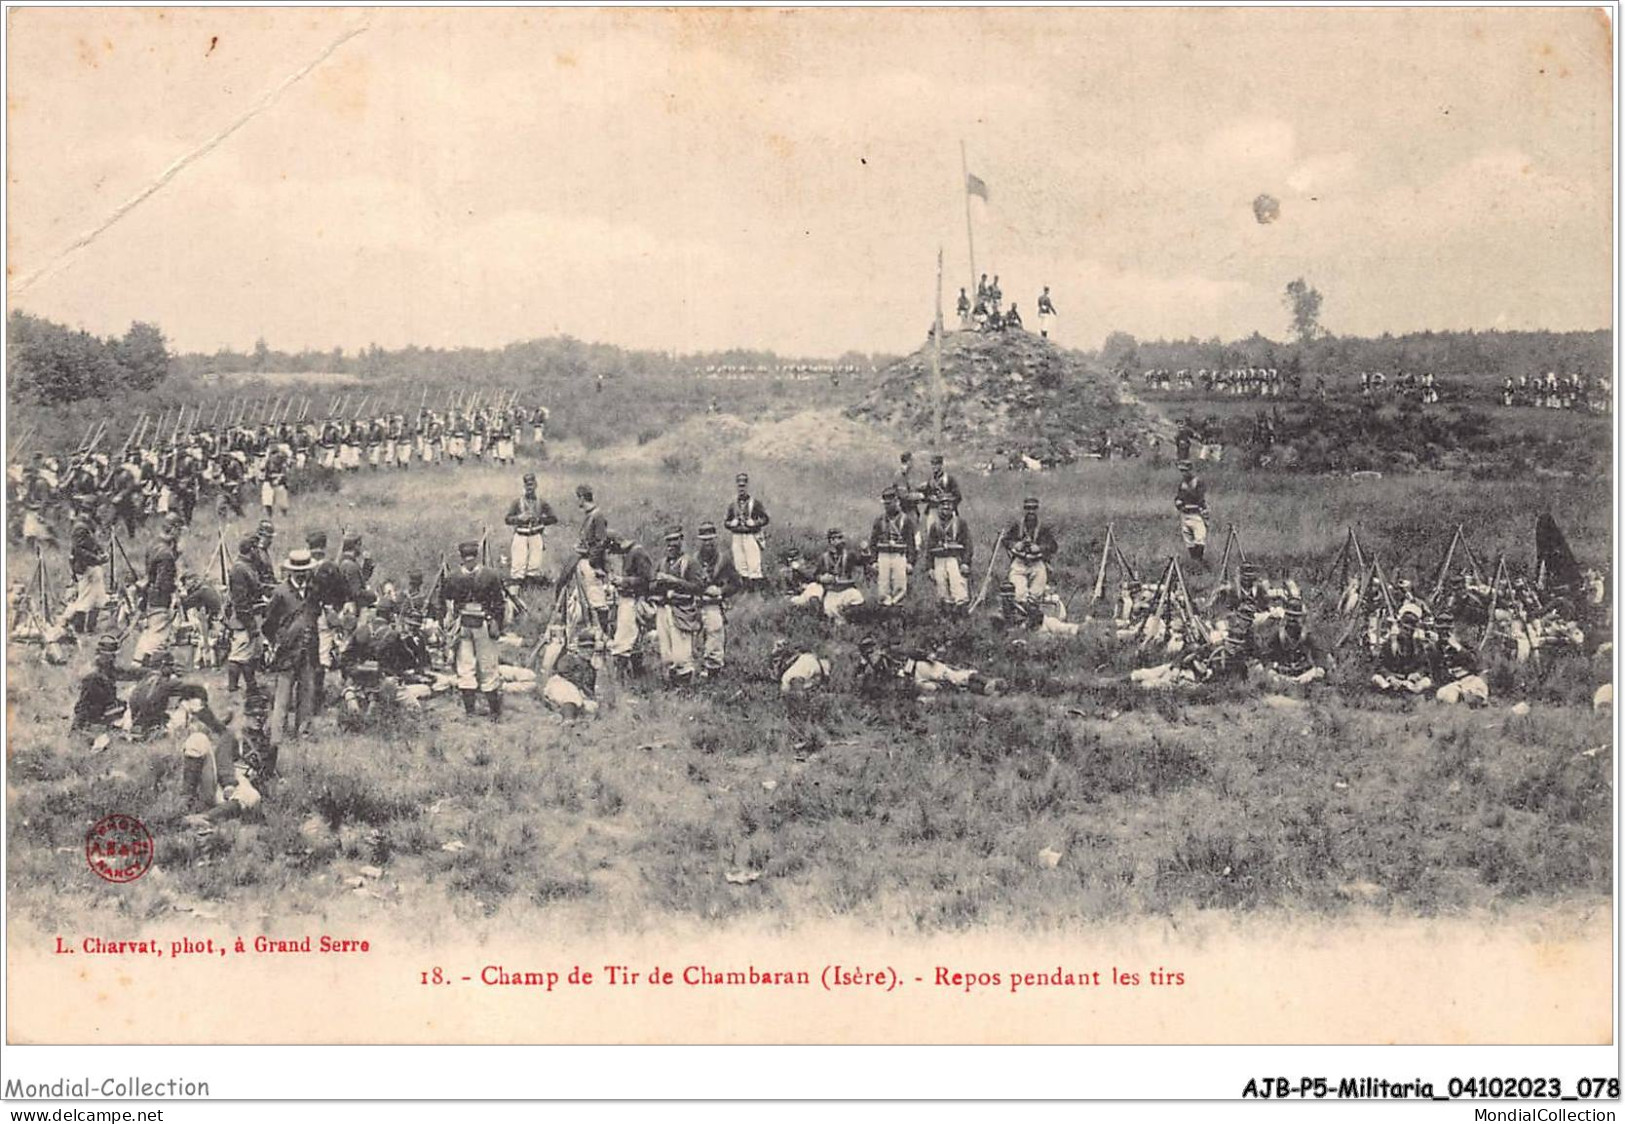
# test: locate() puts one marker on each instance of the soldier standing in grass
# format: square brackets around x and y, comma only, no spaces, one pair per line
[676,589]
[529,515]
[630,571]
[948,545]
[941,485]
[274,485]
[719,581]
[158,613]
[475,608]
[745,519]
[894,540]
[87,560]
[246,599]
[1190,500]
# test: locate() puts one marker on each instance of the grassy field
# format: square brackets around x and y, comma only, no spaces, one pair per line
[910,816]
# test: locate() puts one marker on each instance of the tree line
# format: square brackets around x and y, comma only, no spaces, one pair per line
[54,364]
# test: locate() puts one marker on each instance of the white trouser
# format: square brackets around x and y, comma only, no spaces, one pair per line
[950,580]
[529,554]
[838,601]
[891,576]
[747,550]
[1031,579]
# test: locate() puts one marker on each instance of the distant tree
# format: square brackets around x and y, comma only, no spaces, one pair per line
[1120,352]
[144,355]
[1304,301]
[262,354]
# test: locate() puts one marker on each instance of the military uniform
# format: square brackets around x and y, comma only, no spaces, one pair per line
[894,540]
[158,618]
[718,581]
[677,617]
[1032,547]
[746,519]
[1190,500]
[476,606]
[948,545]
[529,515]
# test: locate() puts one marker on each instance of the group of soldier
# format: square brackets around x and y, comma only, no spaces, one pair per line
[1249,382]
[1551,391]
[165,470]
[986,312]
[279,625]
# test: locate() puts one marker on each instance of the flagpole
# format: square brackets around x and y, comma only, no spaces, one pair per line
[964,180]
[936,352]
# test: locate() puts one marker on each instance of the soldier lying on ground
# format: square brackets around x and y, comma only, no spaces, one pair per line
[160,689]
[797,672]
[223,776]
[880,668]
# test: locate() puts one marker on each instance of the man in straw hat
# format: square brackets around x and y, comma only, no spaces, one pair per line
[290,628]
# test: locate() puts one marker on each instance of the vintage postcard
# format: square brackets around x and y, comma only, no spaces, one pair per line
[810,526]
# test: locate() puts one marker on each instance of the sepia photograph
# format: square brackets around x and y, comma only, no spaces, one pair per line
[812,526]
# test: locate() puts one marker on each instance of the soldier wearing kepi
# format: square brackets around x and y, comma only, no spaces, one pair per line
[838,572]
[1031,546]
[745,520]
[98,705]
[719,581]
[158,619]
[475,608]
[894,539]
[939,488]
[529,515]
[630,572]
[1190,500]
[87,559]
[246,600]
[677,619]
[948,545]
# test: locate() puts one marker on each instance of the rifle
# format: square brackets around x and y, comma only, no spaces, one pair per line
[1099,589]
[1495,593]
[992,558]
[365,399]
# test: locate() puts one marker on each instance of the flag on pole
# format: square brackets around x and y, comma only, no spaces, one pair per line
[975,186]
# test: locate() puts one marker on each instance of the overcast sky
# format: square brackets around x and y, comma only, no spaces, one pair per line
[702,179]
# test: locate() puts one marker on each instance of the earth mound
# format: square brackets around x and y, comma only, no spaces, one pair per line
[1006,395]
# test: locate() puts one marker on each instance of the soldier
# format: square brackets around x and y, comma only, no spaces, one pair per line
[529,515]
[938,486]
[630,571]
[98,704]
[838,572]
[1288,653]
[1031,546]
[159,594]
[151,698]
[745,519]
[962,308]
[1403,662]
[908,496]
[246,600]
[719,581]
[87,560]
[1046,313]
[331,594]
[274,485]
[994,295]
[797,672]
[476,606]
[948,545]
[894,541]
[290,628]
[572,686]
[1012,319]
[221,775]
[1456,666]
[677,619]
[356,568]
[264,536]
[1190,500]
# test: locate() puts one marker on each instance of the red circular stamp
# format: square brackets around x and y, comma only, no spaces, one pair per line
[119,848]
